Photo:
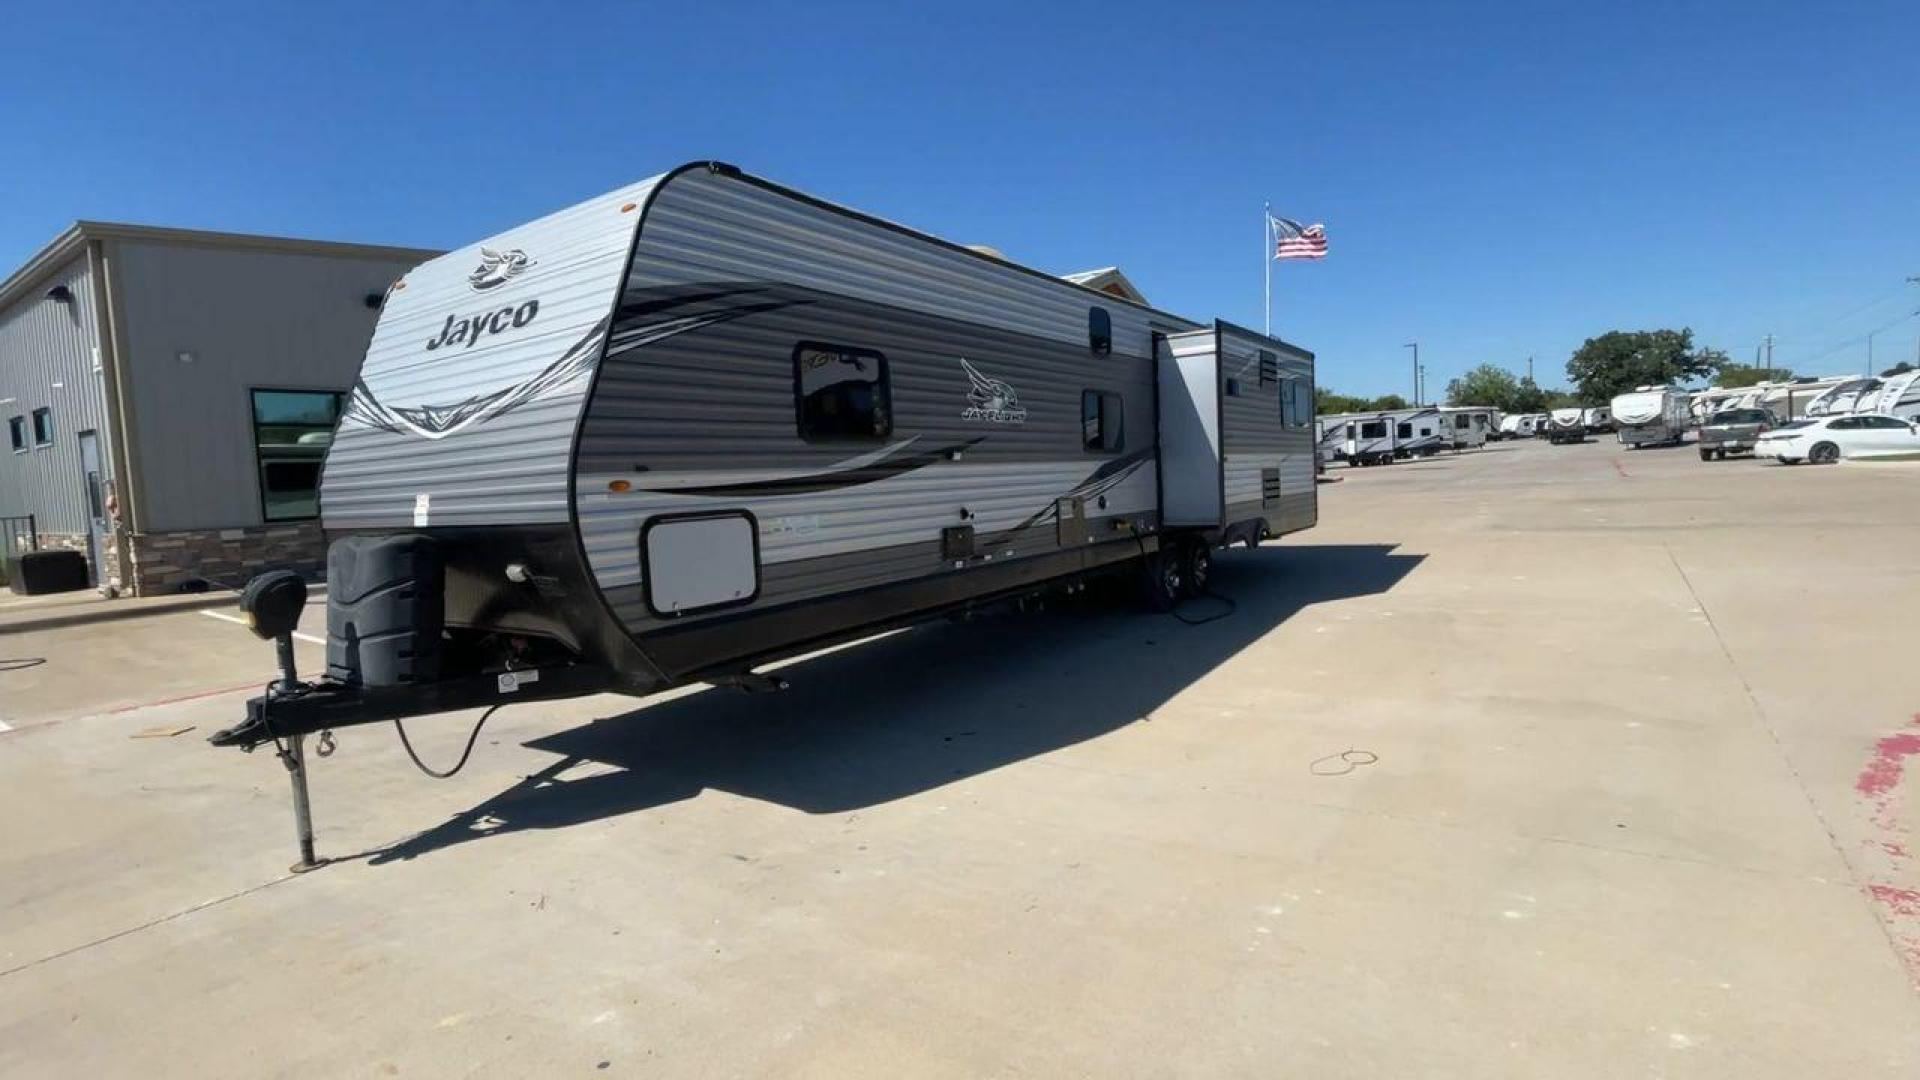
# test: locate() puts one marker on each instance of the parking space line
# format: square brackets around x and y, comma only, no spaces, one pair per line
[223,616]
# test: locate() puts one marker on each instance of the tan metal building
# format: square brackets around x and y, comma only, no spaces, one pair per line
[169,395]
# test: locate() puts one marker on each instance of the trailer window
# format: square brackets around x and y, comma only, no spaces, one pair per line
[1373,429]
[17,429]
[1403,431]
[1099,331]
[43,427]
[1100,417]
[291,432]
[1296,402]
[841,393]
[1233,387]
[1269,368]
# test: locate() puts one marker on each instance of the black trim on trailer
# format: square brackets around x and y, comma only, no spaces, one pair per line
[646,567]
[762,635]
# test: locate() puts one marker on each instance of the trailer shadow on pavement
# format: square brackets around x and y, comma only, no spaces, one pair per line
[922,708]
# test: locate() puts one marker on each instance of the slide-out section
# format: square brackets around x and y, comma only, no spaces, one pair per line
[1188,370]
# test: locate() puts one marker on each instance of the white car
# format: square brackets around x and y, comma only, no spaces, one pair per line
[1826,439]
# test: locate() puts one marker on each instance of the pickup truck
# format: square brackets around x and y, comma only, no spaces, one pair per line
[1733,431]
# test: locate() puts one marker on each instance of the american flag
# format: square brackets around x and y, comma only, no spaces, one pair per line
[1293,240]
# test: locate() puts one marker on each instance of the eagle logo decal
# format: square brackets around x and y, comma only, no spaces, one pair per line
[991,400]
[497,268]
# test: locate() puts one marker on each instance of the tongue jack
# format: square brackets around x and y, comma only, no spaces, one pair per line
[273,603]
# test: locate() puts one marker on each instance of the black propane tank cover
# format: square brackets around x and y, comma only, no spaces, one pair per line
[385,610]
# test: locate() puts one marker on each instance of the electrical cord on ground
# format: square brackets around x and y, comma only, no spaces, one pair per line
[464,754]
[1141,539]
[22,663]
[1215,617]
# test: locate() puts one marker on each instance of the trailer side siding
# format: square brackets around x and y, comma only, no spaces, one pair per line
[1259,446]
[987,373]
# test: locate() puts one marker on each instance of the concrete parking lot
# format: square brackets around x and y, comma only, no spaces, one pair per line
[1534,761]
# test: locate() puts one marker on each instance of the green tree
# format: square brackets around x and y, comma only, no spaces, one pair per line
[1485,385]
[1389,401]
[1327,403]
[1619,360]
[1527,397]
[1731,375]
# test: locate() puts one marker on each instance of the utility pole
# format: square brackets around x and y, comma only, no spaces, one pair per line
[1415,346]
[1529,369]
[1769,364]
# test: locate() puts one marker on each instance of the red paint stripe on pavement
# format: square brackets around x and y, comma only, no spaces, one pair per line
[185,697]
[1621,469]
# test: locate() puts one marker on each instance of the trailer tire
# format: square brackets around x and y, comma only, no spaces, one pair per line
[1706,455]
[1199,569]
[1163,577]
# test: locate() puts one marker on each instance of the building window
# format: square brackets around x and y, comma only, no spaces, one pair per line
[17,430]
[841,393]
[43,427]
[1099,331]
[291,432]
[1100,416]
[1269,368]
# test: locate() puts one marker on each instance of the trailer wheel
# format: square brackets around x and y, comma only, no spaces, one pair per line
[1705,454]
[1200,566]
[1163,580]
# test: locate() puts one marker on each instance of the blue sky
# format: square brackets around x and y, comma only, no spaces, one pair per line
[1496,181]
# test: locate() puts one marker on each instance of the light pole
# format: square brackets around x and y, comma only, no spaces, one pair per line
[1415,346]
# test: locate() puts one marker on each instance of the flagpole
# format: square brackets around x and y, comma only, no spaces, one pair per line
[1266,262]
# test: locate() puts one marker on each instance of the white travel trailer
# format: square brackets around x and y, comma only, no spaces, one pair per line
[1567,426]
[1652,415]
[1898,396]
[704,422]
[1468,426]
[1598,419]
[1419,432]
[1844,397]
[1517,426]
[1367,439]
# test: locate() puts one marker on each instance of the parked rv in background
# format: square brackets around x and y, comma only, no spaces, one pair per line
[1518,426]
[1367,439]
[1652,416]
[1597,420]
[1567,426]
[1419,432]
[1468,426]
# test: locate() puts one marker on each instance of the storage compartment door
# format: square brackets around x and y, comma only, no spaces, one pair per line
[699,562]
[1187,369]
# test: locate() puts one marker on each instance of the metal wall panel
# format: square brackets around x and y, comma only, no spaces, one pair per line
[248,320]
[480,431]
[1255,438]
[47,359]
[706,420]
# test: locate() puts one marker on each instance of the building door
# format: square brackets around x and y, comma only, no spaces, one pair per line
[96,503]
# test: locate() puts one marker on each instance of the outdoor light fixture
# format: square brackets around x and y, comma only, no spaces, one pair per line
[60,294]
